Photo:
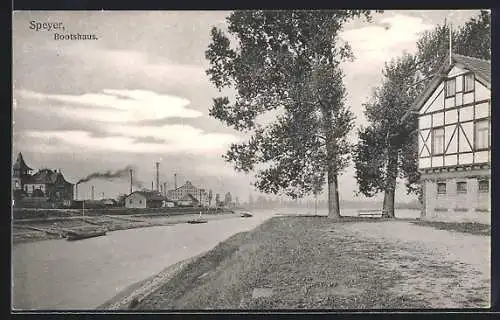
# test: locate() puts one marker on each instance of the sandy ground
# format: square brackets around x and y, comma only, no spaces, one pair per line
[443,267]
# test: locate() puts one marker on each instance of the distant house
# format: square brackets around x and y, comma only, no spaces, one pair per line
[454,139]
[109,202]
[167,203]
[144,199]
[197,195]
[45,184]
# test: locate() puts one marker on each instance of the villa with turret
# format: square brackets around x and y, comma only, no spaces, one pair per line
[45,185]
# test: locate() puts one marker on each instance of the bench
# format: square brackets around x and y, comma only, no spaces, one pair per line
[370,213]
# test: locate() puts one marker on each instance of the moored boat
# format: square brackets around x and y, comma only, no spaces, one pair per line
[80,235]
[198,220]
[246,215]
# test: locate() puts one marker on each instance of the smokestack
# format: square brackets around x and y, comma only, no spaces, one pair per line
[175,181]
[92,193]
[131,181]
[152,188]
[76,191]
[157,176]
[165,188]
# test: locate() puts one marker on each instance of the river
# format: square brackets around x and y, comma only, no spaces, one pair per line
[65,275]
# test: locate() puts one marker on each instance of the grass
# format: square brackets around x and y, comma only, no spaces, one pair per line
[465,227]
[308,262]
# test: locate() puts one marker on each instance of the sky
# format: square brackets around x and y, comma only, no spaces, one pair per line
[138,94]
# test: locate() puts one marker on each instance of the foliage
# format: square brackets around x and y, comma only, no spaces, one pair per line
[471,39]
[386,136]
[286,63]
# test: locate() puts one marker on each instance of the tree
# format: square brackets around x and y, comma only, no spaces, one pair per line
[120,200]
[210,196]
[228,199]
[377,171]
[217,200]
[377,156]
[318,183]
[472,39]
[286,62]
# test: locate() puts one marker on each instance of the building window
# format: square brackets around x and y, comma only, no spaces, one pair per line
[130,201]
[450,87]
[462,187]
[441,188]
[469,82]
[140,201]
[482,129]
[484,186]
[438,141]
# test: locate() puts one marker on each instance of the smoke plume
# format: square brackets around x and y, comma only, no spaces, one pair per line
[123,174]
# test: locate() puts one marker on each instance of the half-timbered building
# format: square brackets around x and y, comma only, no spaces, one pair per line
[454,139]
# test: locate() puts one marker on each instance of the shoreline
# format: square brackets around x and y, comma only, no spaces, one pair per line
[30,231]
[143,288]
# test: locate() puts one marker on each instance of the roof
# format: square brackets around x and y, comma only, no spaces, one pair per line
[150,195]
[188,196]
[480,67]
[20,164]
[47,176]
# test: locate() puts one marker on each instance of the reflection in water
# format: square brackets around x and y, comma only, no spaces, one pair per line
[58,274]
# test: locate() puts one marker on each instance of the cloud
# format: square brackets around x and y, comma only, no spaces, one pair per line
[115,106]
[379,43]
[124,138]
[373,45]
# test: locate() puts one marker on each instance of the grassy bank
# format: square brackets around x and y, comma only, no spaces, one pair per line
[300,262]
[317,263]
[464,227]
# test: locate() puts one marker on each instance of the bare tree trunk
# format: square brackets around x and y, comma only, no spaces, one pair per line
[390,186]
[333,196]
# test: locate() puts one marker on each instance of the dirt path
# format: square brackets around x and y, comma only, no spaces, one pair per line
[447,269]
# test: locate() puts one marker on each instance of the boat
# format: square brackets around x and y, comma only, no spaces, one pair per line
[246,215]
[80,235]
[197,220]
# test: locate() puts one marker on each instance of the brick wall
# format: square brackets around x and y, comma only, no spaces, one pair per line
[470,206]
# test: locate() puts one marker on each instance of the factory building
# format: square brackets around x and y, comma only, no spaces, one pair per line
[147,199]
[189,193]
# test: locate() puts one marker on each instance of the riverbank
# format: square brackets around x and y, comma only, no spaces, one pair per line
[32,230]
[318,263]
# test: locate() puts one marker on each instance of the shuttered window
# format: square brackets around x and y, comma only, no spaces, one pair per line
[484,186]
[441,188]
[461,187]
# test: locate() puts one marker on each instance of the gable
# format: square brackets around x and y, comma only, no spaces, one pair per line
[457,70]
